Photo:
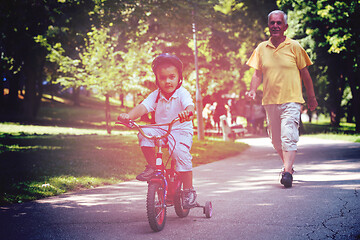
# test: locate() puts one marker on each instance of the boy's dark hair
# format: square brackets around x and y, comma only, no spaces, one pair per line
[168,58]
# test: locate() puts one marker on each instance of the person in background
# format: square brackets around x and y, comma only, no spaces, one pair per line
[219,111]
[206,113]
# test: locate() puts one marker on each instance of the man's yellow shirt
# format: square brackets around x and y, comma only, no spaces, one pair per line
[280,68]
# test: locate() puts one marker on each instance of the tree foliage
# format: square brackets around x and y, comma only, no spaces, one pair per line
[21,22]
[109,45]
[329,28]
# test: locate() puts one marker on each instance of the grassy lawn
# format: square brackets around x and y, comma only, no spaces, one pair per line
[323,129]
[39,165]
[91,112]
[337,136]
[68,149]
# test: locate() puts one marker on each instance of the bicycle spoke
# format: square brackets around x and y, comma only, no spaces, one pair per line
[159,205]
[160,213]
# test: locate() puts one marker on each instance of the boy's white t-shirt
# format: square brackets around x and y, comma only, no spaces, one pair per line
[166,110]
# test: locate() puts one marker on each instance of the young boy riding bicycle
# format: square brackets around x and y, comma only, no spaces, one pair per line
[169,101]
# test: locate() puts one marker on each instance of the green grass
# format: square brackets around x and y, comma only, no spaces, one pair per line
[322,129]
[74,152]
[337,136]
[36,166]
[91,112]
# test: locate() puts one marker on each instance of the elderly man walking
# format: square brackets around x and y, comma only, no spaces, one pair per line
[281,64]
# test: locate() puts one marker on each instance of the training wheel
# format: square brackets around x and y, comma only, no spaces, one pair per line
[208,209]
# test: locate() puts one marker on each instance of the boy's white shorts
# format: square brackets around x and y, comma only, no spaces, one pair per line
[283,125]
[182,139]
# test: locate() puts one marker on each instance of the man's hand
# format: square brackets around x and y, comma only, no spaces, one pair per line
[312,103]
[185,116]
[251,94]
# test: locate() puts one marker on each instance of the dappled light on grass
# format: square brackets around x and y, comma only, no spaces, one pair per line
[63,163]
[36,165]
[31,190]
[16,147]
[339,136]
[11,128]
[48,97]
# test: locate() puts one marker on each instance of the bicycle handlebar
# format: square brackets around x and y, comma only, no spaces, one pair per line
[132,124]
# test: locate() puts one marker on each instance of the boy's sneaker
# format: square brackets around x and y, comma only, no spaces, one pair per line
[146,174]
[189,198]
[286,179]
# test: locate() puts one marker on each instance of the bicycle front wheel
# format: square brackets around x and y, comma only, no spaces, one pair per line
[155,206]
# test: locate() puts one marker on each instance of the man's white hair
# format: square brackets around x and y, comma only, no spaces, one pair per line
[278,12]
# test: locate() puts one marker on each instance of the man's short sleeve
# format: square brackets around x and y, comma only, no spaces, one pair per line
[302,58]
[254,60]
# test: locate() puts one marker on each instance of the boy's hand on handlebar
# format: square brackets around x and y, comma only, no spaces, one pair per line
[124,117]
[185,116]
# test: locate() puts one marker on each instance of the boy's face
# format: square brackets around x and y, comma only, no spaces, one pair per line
[168,77]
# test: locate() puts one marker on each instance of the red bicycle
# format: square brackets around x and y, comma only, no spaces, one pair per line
[165,187]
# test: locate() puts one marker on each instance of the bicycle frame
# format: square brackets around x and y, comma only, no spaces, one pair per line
[162,175]
[164,188]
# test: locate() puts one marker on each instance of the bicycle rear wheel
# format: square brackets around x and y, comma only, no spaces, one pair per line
[178,203]
[155,206]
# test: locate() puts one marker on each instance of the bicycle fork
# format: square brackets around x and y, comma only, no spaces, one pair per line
[159,162]
[160,172]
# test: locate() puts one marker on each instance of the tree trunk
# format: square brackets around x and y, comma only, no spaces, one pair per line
[13,104]
[336,89]
[30,96]
[76,96]
[354,79]
[121,98]
[2,98]
[33,70]
[30,92]
[107,113]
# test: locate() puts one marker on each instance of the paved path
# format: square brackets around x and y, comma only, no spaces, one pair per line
[249,202]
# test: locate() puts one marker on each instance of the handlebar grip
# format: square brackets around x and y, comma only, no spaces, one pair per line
[128,123]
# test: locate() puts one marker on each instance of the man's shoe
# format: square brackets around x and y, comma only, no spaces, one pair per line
[283,170]
[146,174]
[286,179]
[189,198]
